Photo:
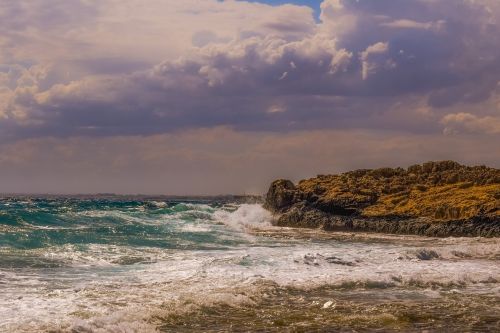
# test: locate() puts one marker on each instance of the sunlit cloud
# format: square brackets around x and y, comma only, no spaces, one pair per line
[99,70]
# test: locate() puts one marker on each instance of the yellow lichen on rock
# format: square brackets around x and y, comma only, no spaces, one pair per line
[446,202]
[442,190]
[437,199]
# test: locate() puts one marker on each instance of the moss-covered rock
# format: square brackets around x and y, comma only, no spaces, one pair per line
[436,191]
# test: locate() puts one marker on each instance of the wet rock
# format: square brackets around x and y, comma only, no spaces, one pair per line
[281,194]
[427,254]
[433,199]
[338,261]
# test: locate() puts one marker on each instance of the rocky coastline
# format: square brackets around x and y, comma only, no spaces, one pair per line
[438,199]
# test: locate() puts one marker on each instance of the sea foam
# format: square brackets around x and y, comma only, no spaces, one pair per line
[201,255]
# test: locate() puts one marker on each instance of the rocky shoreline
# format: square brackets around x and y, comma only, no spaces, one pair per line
[438,199]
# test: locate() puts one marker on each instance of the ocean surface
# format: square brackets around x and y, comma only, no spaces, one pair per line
[138,265]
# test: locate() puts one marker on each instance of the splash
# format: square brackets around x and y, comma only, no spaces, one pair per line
[245,217]
[116,266]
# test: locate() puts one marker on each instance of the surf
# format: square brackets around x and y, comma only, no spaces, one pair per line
[144,266]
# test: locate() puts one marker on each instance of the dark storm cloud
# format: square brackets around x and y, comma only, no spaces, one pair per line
[433,45]
[348,71]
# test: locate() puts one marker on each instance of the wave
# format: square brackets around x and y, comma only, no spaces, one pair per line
[176,225]
[130,270]
[247,216]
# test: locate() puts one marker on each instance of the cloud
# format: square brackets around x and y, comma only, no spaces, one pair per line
[371,58]
[52,30]
[108,68]
[231,83]
[410,24]
[465,122]
[218,160]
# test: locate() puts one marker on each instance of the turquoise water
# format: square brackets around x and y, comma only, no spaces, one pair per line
[122,265]
[44,223]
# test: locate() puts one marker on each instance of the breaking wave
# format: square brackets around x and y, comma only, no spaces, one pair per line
[85,266]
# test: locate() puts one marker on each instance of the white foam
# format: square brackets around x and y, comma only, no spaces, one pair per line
[247,216]
[97,293]
[194,228]
[159,204]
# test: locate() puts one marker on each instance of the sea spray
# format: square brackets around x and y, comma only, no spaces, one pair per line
[133,266]
[245,217]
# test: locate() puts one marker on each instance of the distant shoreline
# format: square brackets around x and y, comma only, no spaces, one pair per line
[142,197]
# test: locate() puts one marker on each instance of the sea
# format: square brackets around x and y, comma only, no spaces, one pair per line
[137,264]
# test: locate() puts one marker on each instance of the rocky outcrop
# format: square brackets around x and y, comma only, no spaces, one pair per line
[281,195]
[434,199]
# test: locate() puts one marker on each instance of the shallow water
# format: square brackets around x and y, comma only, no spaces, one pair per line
[144,266]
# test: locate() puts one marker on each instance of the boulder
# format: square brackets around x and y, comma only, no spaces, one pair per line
[281,195]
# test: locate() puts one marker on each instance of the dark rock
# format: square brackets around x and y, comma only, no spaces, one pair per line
[339,261]
[427,254]
[338,202]
[282,194]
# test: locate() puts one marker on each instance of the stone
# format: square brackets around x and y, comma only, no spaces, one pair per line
[436,199]
[281,194]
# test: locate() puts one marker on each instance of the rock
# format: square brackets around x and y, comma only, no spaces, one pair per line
[281,194]
[436,198]
[427,254]
[338,261]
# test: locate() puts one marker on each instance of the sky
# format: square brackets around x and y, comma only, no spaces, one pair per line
[314,4]
[215,97]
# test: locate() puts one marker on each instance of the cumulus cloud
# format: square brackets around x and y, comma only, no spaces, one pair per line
[119,69]
[231,83]
[361,56]
[371,58]
[127,29]
[463,121]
